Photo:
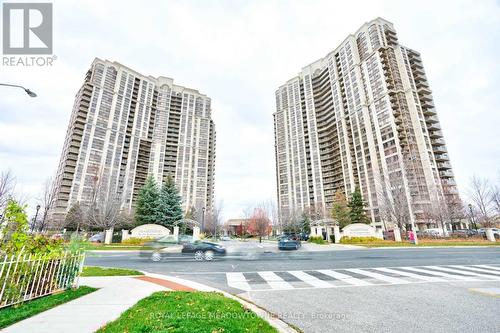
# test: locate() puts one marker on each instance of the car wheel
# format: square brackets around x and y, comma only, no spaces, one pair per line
[209,255]
[156,256]
[198,255]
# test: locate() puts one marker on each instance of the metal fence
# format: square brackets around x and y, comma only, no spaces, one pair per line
[25,277]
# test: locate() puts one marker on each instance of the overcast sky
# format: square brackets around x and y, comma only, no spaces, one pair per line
[238,53]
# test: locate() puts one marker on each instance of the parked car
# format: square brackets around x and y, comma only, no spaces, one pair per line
[464,233]
[97,238]
[432,232]
[180,246]
[289,243]
[496,232]
[225,238]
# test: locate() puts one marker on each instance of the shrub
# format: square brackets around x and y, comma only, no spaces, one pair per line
[137,241]
[316,240]
[358,240]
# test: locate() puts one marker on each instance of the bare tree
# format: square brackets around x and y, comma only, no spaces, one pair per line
[213,219]
[74,218]
[104,210]
[481,195]
[495,198]
[47,201]
[7,186]
[393,201]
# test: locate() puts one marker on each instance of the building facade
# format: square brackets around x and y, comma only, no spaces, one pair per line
[125,126]
[363,116]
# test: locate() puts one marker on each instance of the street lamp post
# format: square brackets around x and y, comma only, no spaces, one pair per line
[34,219]
[202,219]
[472,218]
[29,92]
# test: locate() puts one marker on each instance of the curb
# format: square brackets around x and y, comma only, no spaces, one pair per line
[433,247]
[277,323]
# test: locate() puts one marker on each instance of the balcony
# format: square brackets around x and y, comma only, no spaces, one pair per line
[444,166]
[437,142]
[427,103]
[431,119]
[433,127]
[441,157]
[446,174]
[439,149]
[428,111]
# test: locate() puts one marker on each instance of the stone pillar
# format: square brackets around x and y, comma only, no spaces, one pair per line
[336,233]
[327,229]
[196,233]
[108,236]
[176,232]
[397,234]
[125,235]
[489,235]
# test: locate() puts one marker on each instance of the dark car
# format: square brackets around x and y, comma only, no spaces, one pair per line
[203,250]
[289,243]
[183,245]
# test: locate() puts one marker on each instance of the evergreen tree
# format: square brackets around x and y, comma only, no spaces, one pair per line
[147,203]
[340,209]
[305,224]
[356,205]
[191,213]
[169,205]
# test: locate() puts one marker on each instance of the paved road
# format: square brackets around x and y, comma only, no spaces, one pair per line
[416,290]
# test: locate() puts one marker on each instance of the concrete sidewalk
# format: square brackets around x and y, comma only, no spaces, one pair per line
[90,312]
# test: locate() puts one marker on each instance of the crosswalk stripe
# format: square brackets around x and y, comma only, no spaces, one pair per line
[345,278]
[312,280]
[489,267]
[481,270]
[458,271]
[408,274]
[275,281]
[457,277]
[378,276]
[237,280]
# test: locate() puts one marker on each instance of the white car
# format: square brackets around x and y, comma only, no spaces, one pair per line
[225,238]
[98,238]
[434,232]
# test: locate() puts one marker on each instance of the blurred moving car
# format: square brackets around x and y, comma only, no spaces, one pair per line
[182,245]
[203,250]
[289,243]
[97,238]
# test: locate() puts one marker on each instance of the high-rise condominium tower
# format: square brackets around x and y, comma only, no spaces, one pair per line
[126,126]
[362,116]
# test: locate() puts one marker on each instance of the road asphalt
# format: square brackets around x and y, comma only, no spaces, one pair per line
[360,290]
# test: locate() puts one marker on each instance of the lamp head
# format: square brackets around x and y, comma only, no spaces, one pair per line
[30,93]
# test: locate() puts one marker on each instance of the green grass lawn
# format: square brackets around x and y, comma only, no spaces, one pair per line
[107,271]
[15,313]
[180,311]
